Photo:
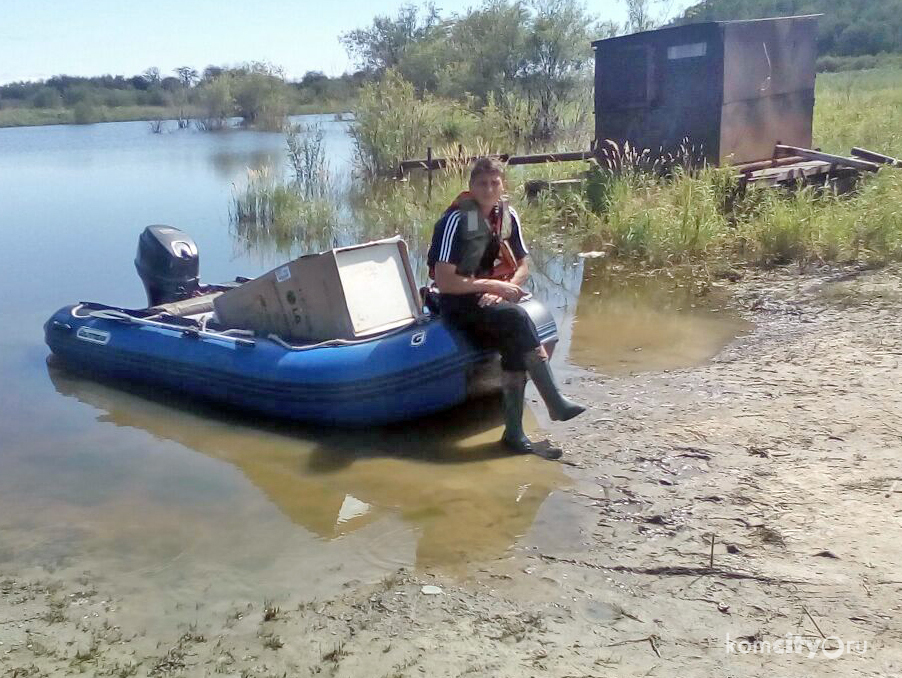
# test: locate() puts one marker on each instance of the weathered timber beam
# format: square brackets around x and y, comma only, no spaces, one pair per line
[874,156]
[569,156]
[436,163]
[809,171]
[765,164]
[809,154]
[440,163]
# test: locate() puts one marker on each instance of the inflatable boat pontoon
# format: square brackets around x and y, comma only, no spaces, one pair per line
[177,344]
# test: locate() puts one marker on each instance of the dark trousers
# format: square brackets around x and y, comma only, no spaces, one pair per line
[504,326]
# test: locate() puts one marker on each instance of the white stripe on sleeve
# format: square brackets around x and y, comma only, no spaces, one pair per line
[516,219]
[448,236]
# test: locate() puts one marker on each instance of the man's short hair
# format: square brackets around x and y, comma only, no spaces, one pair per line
[486,165]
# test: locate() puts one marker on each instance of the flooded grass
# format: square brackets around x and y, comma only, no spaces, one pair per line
[267,213]
[638,214]
[268,210]
[307,156]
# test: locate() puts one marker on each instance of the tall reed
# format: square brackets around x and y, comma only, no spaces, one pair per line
[307,156]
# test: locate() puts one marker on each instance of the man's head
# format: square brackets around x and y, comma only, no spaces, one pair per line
[487,181]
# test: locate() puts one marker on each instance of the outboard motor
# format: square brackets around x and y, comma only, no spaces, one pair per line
[168,264]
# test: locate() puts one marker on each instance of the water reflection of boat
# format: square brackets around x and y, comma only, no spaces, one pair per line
[176,343]
[460,494]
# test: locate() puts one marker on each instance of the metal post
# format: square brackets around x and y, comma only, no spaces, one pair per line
[429,171]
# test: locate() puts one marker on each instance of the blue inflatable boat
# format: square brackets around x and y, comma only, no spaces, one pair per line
[177,344]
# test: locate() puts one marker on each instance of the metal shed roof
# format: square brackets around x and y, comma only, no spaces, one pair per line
[634,36]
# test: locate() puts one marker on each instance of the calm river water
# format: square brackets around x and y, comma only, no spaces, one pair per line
[179,496]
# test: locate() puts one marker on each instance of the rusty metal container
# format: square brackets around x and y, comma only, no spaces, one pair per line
[733,89]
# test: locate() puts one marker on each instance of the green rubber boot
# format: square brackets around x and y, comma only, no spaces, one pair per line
[559,407]
[513,385]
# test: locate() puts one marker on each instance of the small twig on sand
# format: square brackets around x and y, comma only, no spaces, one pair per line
[651,641]
[805,610]
[689,585]
[711,561]
[675,570]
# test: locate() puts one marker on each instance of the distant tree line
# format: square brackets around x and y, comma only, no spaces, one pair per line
[527,60]
[257,92]
[849,28]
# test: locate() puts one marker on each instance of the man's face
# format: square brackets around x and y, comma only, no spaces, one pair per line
[486,189]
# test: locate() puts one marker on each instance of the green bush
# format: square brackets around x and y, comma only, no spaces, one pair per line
[85,112]
[48,97]
[392,123]
[216,102]
[115,98]
[260,99]
[158,97]
[75,94]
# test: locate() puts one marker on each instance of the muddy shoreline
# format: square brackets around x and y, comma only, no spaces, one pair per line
[723,508]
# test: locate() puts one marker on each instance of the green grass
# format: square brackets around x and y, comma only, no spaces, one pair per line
[701,218]
[22,117]
[862,108]
[268,212]
[635,217]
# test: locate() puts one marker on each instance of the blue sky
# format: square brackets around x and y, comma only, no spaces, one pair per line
[41,38]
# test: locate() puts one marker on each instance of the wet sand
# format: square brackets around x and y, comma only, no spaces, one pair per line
[784,452]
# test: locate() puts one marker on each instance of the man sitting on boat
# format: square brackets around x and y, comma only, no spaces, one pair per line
[479,272]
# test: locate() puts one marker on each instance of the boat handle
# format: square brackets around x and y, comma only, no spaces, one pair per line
[57,325]
[192,333]
[119,316]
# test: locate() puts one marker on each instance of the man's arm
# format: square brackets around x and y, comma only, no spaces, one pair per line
[449,281]
[518,247]
[521,275]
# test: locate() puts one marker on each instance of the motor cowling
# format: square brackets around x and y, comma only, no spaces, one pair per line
[168,264]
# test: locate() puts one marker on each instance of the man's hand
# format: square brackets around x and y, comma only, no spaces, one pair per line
[489,299]
[505,290]
[449,281]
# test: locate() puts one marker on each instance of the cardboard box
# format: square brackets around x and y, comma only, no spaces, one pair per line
[345,293]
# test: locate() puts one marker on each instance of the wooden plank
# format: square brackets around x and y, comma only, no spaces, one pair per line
[765,164]
[785,173]
[569,156]
[441,163]
[801,171]
[874,156]
[826,157]
[429,170]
